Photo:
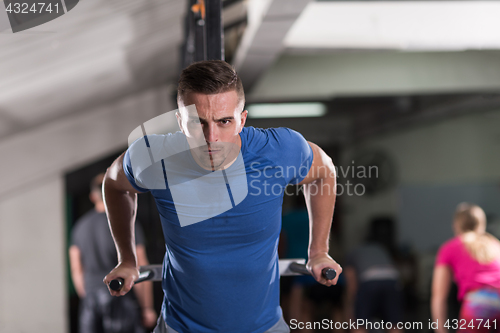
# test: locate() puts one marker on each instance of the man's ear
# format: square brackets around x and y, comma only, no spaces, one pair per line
[179,120]
[243,119]
[92,197]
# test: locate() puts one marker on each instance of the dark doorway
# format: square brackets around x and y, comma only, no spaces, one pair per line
[77,186]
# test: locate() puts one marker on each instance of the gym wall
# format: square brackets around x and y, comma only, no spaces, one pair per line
[32,208]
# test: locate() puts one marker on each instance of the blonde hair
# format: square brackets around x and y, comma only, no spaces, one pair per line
[470,221]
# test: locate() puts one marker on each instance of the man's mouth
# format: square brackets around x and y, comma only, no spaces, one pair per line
[211,151]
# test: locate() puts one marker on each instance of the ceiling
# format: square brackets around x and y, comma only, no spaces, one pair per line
[103,50]
[100,51]
[397,25]
[378,65]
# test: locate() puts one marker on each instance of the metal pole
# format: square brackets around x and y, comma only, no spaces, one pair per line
[214,30]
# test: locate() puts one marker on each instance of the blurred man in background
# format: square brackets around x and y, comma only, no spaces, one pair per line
[92,255]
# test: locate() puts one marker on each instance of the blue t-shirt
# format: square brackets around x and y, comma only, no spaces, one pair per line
[220,272]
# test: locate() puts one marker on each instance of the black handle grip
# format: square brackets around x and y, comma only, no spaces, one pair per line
[116,284]
[328,273]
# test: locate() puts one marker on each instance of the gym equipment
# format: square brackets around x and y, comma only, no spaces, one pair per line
[287,267]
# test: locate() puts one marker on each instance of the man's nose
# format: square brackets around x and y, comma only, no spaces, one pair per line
[211,132]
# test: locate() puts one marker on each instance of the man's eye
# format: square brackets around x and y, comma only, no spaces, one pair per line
[225,121]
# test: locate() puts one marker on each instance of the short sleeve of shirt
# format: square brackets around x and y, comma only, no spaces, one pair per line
[295,152]
[78,233]
[127,167]
[75,240]
[445,255]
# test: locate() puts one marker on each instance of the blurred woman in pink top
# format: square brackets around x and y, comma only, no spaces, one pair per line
[472,259]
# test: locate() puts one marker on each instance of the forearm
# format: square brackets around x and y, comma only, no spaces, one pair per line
[441,281]
[439,310]
[121,209]
[79,284]
[120,202]
[320,200]
[320,192]
[77,270]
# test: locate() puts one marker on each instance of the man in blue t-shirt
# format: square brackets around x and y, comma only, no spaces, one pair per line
[219,188]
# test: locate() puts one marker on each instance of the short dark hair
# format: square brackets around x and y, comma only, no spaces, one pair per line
[210,77]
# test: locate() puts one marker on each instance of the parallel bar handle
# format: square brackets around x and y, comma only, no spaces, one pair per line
[151,274]
[328,273]
[117,284]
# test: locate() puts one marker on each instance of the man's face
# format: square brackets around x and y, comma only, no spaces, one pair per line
[212,129]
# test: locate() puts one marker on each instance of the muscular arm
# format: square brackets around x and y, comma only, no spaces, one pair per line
[441,282]
[320,186]
[75,262]
[120,200]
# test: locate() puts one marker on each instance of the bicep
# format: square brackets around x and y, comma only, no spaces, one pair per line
[116,179]
[321,168]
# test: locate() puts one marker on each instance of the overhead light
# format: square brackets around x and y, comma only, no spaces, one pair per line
[286,110]
[397,25]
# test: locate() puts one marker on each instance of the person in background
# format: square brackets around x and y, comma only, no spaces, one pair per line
[472,260]
[92,255]
[373,287]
